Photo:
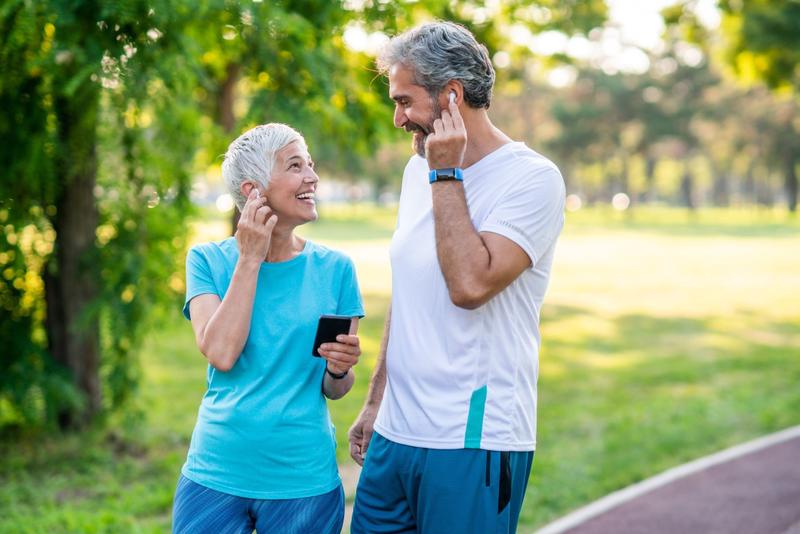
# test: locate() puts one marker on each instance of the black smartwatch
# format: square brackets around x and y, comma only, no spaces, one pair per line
[446,175]
[334,375]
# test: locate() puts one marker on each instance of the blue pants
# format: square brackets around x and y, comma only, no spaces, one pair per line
[432,491]
[198,509]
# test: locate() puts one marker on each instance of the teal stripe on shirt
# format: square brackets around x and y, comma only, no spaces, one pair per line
[477,405]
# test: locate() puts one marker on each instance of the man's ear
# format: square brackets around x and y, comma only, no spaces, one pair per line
[456,88]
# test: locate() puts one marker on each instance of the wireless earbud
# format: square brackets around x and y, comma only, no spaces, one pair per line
[452,97]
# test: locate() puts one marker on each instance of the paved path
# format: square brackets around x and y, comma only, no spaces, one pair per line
[349,471]
[753,488]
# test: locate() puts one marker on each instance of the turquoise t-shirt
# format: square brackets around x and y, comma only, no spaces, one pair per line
[263,430]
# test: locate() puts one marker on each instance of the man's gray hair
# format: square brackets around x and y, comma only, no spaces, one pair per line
[438,52]
[251,156]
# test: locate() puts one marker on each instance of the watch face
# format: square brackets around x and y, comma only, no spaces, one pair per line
[442,175]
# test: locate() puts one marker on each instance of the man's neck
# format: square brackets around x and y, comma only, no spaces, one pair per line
[483,137]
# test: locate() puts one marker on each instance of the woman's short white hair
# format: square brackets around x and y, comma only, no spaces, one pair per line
[252,155]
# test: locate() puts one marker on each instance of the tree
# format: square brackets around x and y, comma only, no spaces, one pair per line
[80,237]
[761,43]
[763,40]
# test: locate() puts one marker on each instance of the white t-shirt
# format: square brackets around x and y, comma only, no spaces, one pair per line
[460,378]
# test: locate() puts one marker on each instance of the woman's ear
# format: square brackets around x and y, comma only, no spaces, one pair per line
[246,188]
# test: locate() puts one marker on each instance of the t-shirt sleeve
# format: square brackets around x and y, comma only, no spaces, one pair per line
[531,213]
[350,303]
[198,278]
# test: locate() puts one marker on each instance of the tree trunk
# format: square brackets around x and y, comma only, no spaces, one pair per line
[687,190]
[72,278]
[720,188]
[650,178]
[764,189]
[625,180]
[749,185]
[720,191]
[791,183]
[625,186]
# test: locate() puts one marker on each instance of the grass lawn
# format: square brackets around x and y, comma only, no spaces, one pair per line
[666,337]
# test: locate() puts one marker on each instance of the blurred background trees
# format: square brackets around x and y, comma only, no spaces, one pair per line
[759,42]
[113,112]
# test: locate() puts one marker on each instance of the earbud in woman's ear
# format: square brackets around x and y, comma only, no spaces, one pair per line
[452,97]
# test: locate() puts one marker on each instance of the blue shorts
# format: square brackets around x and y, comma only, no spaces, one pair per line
[413,489]
[198,509]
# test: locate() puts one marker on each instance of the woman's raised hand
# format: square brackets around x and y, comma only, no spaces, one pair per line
[254,231]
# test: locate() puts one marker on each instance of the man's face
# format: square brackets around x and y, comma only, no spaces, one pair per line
[414,109]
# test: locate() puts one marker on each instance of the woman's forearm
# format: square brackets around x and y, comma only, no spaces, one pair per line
[334,388]
[226,332]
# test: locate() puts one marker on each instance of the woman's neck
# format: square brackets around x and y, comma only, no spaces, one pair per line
[284,245]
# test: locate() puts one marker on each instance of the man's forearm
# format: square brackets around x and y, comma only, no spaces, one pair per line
[463,256]
[378,383]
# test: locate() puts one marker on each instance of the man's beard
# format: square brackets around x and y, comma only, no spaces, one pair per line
[418,141]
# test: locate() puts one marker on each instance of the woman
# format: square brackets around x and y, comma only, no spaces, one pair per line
[262,451]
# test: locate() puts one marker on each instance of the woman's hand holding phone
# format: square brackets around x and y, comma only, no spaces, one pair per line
[342,354]
[254,230]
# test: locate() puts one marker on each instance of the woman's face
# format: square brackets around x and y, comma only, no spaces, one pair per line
[291,191]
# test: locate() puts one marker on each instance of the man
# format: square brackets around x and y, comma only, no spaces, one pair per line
[453,397]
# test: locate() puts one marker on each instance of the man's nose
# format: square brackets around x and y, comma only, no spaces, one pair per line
[400,118]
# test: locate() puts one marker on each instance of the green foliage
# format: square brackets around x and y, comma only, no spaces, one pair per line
[286,62]
[761,38]
[28,383]
[653,116]
[764,40]
[761,45]
[101,56]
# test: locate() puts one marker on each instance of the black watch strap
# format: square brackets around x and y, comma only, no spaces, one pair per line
[334,375]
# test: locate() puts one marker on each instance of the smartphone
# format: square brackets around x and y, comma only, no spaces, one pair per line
[328,328]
